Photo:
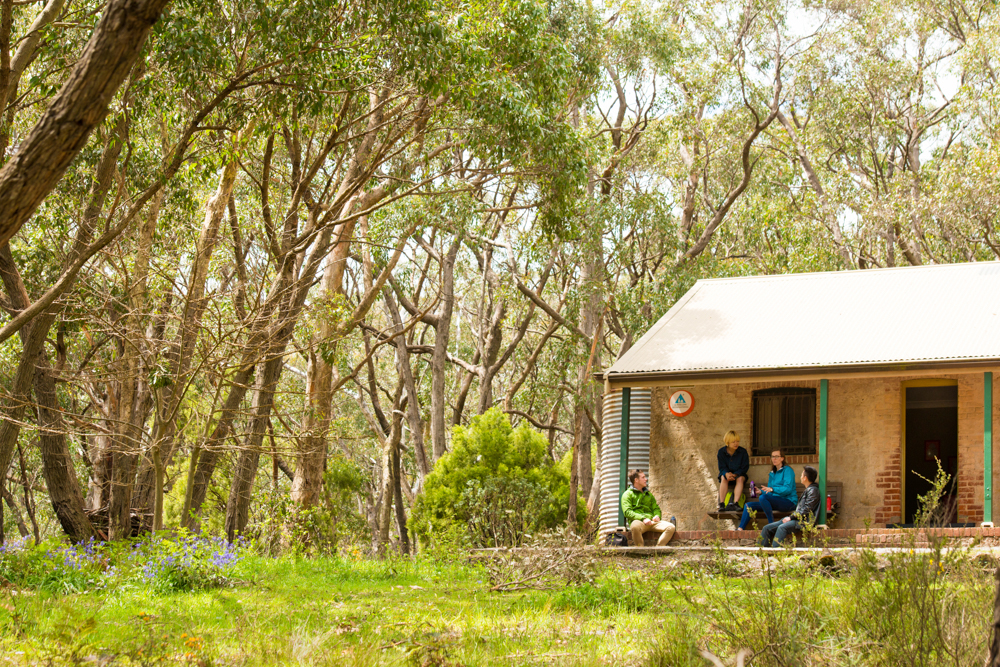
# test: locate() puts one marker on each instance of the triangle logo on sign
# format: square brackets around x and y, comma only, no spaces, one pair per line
[681,403]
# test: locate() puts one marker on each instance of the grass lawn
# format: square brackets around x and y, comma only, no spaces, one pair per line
[355,611]
[325,611]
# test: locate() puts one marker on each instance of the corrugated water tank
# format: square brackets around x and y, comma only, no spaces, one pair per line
[640,412]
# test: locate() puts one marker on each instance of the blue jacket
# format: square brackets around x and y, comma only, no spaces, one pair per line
[738,463]
[783,483]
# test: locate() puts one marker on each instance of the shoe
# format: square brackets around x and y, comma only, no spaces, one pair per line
[733,507]
[722,507]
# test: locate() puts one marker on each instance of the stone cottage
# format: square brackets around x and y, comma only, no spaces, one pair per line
[874,377]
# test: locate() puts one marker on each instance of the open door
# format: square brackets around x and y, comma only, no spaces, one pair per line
[930,436]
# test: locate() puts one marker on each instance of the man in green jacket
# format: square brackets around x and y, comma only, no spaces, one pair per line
[642,513]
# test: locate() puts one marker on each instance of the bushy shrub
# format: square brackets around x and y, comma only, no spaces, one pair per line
[927,606]
[335,521]
[184,562]
[497,483]
[278,525]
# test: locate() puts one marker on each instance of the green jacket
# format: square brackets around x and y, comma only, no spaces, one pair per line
[639,505]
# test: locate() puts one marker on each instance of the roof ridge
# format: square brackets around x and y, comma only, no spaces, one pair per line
[805,275]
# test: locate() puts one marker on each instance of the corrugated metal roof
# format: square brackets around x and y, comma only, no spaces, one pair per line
[940,313]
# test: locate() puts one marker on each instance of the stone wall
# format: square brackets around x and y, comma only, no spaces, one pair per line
[863,452]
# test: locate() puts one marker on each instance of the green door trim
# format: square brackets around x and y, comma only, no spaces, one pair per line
[988,447]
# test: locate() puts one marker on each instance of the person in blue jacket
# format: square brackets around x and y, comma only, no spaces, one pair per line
[779,494]
[734,464]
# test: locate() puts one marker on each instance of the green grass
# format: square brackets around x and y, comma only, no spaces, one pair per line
[323,611]
[355,611]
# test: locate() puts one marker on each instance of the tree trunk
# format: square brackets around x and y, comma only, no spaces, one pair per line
[204,457]
[99,484]
[18,519]
[27,49]
[63,486]
[592,286]
[490,353]
[171,395]
[388,487]
[77,108]
[439,358]
[311,458]
[60,474]
[10,427]
[553,420]
[404,539]
[574,482]
[238,505]
[405,370]
[134,397]
[293,298]
[463,392]
[29,496]
[34,333]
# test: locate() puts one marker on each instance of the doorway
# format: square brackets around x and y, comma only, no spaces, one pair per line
[930,436]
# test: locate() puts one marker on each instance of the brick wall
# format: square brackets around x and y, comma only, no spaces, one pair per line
[863,447]
[889,479]
[970,447]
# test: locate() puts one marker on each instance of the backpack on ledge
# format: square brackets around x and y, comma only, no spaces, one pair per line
[616,539]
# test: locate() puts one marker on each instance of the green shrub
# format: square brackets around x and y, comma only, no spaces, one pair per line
[497,483]
[278,525]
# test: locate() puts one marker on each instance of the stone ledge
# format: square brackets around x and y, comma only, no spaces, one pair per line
[856,535]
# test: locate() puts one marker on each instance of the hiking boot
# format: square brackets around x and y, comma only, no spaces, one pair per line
[722,507]
[733,507]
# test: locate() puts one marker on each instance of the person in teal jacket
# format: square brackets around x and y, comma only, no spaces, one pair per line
[779,494]
[642,514]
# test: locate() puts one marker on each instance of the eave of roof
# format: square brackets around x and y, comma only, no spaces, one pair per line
[751,374]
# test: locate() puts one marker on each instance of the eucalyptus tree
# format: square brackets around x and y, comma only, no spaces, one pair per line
[159,136]
[422,116]
[882,130]
[42,157]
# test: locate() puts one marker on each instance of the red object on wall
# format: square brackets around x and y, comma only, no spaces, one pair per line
[829,504]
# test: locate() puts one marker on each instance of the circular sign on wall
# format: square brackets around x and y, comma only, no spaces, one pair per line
[681,403]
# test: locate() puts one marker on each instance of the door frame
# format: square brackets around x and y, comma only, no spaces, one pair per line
[903,386]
